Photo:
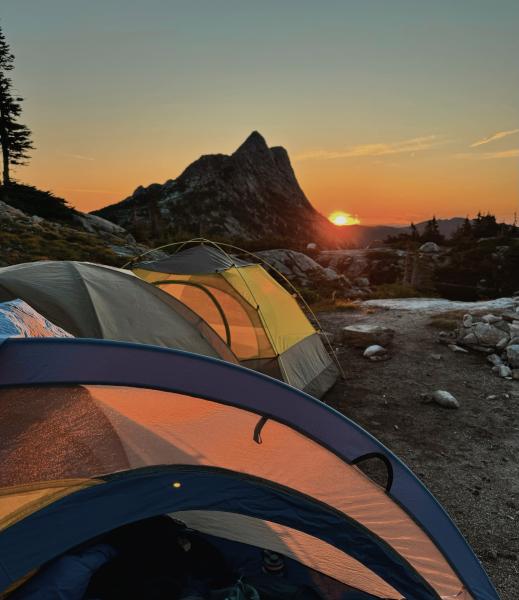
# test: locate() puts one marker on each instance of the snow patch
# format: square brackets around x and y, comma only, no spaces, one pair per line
[439,304]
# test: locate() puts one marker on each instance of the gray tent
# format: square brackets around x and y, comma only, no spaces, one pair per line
[96,301]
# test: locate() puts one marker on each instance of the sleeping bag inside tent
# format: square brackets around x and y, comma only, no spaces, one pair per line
[18,319]
[262,484]
[260,321]
[96,301]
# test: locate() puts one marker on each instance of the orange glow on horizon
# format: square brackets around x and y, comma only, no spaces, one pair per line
[341,218]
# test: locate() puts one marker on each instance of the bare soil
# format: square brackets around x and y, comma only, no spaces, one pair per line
[468,458]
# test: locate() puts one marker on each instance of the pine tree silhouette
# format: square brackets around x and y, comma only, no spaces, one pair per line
[15,137]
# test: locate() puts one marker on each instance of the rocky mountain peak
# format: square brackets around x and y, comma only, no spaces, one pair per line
[249,195]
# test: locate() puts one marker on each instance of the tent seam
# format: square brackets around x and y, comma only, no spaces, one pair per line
[87,290]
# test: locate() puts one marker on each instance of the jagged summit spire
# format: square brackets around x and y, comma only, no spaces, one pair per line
[254,143]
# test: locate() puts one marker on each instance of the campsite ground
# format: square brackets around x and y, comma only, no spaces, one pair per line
[468,458]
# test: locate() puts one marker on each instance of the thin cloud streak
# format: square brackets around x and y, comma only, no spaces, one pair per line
[410,146]
[80,157]
[513,153]
[495,136]
[89,190]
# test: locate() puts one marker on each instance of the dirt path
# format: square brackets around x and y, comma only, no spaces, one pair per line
[468,458]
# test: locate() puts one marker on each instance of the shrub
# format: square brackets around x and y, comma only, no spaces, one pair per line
[395,290]
[32,201]
[339,305]
[443,323]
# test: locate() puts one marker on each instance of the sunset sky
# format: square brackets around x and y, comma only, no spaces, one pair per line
[391,110]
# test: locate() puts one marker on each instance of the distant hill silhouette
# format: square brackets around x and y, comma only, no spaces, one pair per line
[363,235]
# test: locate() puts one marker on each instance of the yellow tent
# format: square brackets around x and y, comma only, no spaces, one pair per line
[260,321]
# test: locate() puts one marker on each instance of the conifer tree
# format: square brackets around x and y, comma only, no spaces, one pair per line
[464,231]
[432,232]
[485,226]
[15,137]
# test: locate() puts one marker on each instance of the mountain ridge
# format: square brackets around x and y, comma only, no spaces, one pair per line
[250,195]
[362,235]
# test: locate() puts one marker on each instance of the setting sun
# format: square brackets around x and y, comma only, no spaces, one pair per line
[341,218]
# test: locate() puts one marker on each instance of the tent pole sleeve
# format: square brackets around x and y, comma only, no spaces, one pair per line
[211,296]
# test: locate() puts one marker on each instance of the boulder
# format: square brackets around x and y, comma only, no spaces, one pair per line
[430,248]
[488,335]
[93,223]
[304,271]
[445,399]
[362,335]
[512,355]
[515,374]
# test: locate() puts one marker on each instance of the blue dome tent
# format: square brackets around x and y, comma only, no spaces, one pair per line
[95,435]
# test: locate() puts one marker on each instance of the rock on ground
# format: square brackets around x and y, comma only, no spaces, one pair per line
[374,350]
[362,335]
[430,248]
[503,371]
[456,348]
[496,335]
[512,355]
[301,269]
[445,399]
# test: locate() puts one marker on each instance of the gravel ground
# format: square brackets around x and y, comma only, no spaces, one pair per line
[468,458]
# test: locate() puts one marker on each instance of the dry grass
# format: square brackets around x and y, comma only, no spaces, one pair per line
[19,242]
[396,290]
[447,321]
[443,323]
[338,304]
